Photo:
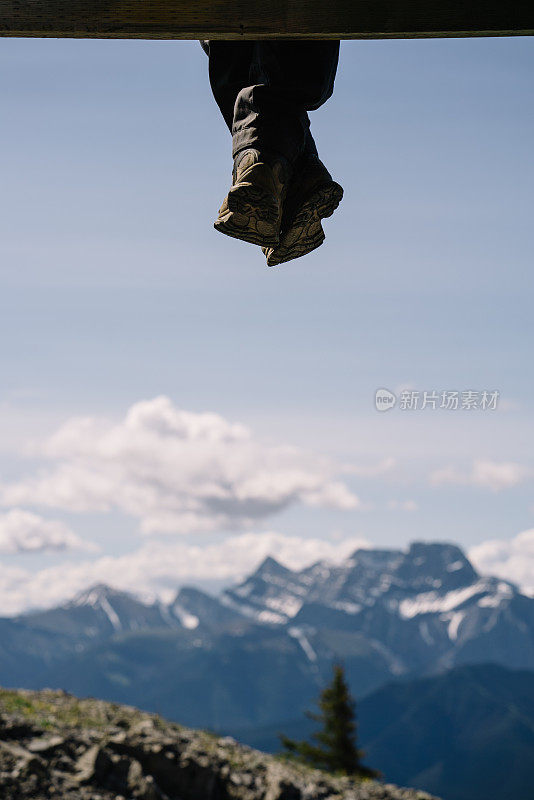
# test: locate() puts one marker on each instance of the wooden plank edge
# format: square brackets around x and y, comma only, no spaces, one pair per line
[243,34]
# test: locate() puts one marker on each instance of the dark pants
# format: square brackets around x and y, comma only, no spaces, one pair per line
[265,89]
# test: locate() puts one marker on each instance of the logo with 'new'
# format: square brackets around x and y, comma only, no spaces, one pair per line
[384,400]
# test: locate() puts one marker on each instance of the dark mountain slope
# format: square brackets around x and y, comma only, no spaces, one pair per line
[465,735]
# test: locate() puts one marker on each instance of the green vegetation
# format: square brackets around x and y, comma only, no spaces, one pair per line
[56,709]
[336,750]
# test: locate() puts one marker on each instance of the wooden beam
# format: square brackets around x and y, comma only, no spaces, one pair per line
[263,19]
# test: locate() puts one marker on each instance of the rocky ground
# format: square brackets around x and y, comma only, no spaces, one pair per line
[53,745]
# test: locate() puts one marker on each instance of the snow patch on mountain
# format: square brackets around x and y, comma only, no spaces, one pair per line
[187,620]
[348,608]
[455,620]
[300,636]
[270,617]
[503,592]
[432,602]
[91,597]
[287,605]
[454,566]
[257,614]
[110,612]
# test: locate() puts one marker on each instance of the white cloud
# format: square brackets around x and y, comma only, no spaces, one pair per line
[512,559]
[22,531]
[485,474]
[175,471]
[159,567]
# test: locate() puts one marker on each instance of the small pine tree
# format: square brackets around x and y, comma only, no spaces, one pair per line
[336,749]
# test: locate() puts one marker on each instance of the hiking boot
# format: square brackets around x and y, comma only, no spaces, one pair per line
[312,196]
[252,211]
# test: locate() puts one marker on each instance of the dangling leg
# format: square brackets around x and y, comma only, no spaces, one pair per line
[264,90]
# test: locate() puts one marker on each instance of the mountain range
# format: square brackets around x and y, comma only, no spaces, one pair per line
[384,613]
[257,655]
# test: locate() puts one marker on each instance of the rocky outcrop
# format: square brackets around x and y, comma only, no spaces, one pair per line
[53,745]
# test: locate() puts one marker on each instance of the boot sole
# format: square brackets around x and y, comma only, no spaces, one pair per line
[253,216]
[305,233]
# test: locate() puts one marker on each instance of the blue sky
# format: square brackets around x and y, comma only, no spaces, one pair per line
[115,289]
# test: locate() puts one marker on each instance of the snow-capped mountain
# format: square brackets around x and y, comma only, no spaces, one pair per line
[276,594]
[426,607]
[271,595]
[97,612]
